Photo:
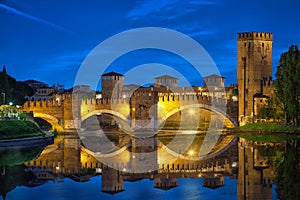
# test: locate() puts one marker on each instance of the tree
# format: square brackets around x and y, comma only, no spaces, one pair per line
[288,84]
[12,90]
[272,110]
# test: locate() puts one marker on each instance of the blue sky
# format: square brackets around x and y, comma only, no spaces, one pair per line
[48,40]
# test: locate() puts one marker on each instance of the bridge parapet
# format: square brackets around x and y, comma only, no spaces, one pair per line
[103,101]
[41,103]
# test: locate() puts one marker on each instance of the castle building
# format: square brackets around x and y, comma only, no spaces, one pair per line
[214,81]
[214,86]
[112,85]
[254,67]
[166,81]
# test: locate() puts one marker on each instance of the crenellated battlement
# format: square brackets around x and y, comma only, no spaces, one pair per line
[192,99]
[184,97]
[104,101]
[42,103]
[267,82]
[255,36]
[267,86]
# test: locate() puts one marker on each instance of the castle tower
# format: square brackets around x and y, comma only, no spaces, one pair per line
[254,63]
[112,85]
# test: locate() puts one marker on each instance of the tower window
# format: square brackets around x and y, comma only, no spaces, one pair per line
[263,44]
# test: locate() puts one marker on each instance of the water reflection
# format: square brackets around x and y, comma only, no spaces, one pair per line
[13,172]
[257,166]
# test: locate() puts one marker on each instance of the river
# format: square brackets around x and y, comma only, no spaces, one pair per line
[165,166]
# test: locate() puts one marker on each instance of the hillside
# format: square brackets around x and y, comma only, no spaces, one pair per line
[12,90]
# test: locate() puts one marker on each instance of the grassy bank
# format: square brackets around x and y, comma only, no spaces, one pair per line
[268,127]
[16,129]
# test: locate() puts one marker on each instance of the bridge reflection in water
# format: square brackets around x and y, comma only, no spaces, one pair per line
[249,161]
[135,159]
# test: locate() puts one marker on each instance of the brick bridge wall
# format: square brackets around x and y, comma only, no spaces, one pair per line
[69,112]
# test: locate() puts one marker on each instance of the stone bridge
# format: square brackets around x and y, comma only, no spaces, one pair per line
[144,110]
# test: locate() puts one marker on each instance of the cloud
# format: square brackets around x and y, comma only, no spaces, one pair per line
[147,8]
[197,2]
[194,29]
[33,18]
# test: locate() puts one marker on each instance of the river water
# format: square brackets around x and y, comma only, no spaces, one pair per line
[163,166]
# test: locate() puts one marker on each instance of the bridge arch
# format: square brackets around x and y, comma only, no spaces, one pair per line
[104,111]
[228,121]
[122,120]
[52,120]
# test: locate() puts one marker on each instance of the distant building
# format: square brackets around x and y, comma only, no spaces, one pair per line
[214,81]
[58,88]
[166,81]
[35,84]
[42,93]
[214,86]
[112,85]
[81,89]
[128,90]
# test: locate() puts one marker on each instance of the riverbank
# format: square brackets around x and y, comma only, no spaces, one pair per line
[17,129]
[266,128]
[26,142]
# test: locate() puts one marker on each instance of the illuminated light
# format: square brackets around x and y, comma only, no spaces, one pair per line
[57,99]
[234,98]
[160,106]
[133,109]
[133,156]
[199,175]
[191,111]
[124,170]
[234,164]
[10,103]
[191,153]
[57,167]
[124,96]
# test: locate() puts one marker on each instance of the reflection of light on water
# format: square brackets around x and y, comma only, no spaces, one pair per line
[190,132]
[98,170]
